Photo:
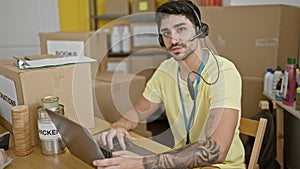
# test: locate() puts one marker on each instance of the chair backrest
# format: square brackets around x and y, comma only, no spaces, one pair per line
[255,129]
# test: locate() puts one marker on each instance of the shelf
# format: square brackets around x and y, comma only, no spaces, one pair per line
[94,17]
[112,16]
[140,17]
[290,109]
[110,54]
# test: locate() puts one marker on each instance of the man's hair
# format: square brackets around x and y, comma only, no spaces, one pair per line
[181,7]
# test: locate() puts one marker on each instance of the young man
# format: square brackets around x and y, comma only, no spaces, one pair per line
[201,93]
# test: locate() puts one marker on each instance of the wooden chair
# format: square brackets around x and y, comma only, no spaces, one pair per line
[254,128]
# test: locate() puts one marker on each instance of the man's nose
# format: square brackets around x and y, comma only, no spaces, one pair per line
[174,39]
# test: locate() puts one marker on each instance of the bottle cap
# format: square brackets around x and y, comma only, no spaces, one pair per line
[278,68]
[298,89]
[291,61]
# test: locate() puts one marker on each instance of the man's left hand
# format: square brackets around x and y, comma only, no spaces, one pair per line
[121,160]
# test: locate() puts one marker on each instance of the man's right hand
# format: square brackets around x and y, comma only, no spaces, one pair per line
[106,137]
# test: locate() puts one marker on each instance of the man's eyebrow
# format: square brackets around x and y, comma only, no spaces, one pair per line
[178,25]
[175,26]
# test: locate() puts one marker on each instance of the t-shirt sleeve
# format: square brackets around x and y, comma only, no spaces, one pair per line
[227,92]
[153,91]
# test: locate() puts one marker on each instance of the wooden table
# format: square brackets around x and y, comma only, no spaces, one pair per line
[280,108]
[66,160]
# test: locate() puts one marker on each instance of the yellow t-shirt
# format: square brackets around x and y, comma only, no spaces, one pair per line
[226,93]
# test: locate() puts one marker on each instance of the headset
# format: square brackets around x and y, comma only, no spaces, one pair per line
[202,29]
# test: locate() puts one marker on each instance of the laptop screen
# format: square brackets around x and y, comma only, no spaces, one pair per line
[77,138]
[82,144]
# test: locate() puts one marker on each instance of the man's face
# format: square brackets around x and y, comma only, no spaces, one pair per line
[177,31]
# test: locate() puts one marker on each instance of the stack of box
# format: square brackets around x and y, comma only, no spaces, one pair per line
[143,65]
[116,7]
[138,6]
[71,83]
[254,38]
[81,88]
[105,86]
[115,93]
[122,7]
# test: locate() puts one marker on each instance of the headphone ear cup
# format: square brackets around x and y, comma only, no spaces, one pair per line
[204,29]
[161,40]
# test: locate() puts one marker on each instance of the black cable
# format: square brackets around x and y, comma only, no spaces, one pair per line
[209,83]
[191,88]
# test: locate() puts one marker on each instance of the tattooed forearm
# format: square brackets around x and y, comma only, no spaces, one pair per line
[193,155]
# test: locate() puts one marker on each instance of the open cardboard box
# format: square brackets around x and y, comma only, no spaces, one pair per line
[92,44]
[71,83]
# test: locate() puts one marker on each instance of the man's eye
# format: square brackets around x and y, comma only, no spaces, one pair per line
[181,29]
[166,33]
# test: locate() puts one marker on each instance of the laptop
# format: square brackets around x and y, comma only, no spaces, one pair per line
[82,144]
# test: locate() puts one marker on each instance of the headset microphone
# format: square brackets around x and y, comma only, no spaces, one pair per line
[199,35]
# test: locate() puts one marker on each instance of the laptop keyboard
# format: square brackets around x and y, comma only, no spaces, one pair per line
[129,146]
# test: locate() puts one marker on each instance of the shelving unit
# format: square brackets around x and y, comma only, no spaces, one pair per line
[144,17]
[94,17]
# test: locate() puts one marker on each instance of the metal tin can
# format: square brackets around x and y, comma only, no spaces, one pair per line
[50,102]
[51,141]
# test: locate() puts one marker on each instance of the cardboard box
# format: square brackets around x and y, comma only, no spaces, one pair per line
[145,35]
[118,64]
[143,65]
[267,41]
[252,89]
[138,6]
[254,38]
[198,2]
[116,7]
[71,83]
[115,93]
[91,44]
[260,2]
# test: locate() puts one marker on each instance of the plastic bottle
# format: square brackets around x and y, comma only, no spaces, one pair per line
[116,39]
[106,30]
[289,83]
[270,83]
[277,76]
[278,94]
[266,79]
[298,99]
[126,42]
[297,75]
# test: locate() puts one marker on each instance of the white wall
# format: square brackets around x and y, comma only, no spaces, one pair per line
[21,21]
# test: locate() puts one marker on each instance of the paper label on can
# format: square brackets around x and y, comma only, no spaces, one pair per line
[47,131]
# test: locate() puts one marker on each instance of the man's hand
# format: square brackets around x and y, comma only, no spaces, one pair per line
[106,137]
[121,160]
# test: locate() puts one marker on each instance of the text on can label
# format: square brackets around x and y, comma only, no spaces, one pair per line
[47,131]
